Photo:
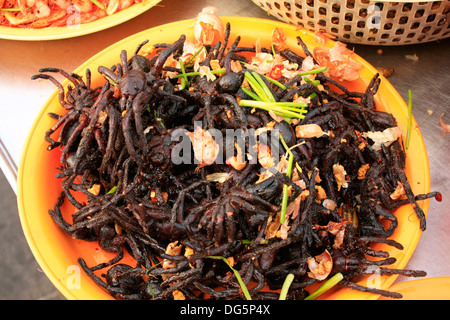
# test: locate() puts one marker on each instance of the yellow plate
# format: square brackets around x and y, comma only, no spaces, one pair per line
[437,288]
[38,189]
[56,33]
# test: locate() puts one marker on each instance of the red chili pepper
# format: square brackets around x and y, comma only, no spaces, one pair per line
[275,73]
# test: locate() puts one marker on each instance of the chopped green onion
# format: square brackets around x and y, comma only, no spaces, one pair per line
[151,290]
[285,199]
[264,99]
[250,93]
[184,79]
[293,106]
[264,87]
[284,109]
[10,9]
[111,81]
[154,266]
[158,119]
[148,281]
[275,82]
[283,142]
[246,241]
[408,133]
[314,83]
[98,4]
[236,273]
[195,55]
[192,74]
[318,70]
[113,189]
[274,53]
[256,87]
[330,283]
[286,284]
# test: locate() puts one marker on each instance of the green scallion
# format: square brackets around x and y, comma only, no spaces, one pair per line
[237,275]
[158,119]
[246,241]
[10,9]
[113,189]
[259,90]
[195,55]
[285,198]
[111,81]
[283,109]
[98,4]
[184,78]
[264,87]
[196,73]
[274,52]
[264,99]
[318,70]
[330,283]
[286,285]
[251,94]
[314,83]
[283,142]
[275,82]
[284,201]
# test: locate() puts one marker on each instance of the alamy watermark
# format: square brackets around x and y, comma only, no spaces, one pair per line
[373,17]
[208,146]
[74,17]
[74,277]
[373,281]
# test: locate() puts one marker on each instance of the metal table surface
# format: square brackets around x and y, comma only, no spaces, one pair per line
[428,78]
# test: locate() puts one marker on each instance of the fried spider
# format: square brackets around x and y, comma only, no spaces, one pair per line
[136,81]
[78,100]
[220,216]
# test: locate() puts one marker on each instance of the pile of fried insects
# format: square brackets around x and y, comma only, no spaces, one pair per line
[246,227]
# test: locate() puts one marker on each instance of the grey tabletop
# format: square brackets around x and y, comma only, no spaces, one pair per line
[428,77]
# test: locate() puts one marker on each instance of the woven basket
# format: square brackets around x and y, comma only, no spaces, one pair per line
[367,22]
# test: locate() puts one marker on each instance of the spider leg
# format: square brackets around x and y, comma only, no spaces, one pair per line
[230,224]
[116,292]
[124,61]
[109,74]
[73,136]
[113,123]
[358,287]
[61,91]
[88,132]
[254,199]
[61,121]
[139,106]
[139,47]
[177,209]
[127,133]
[219,229]
[72,78]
